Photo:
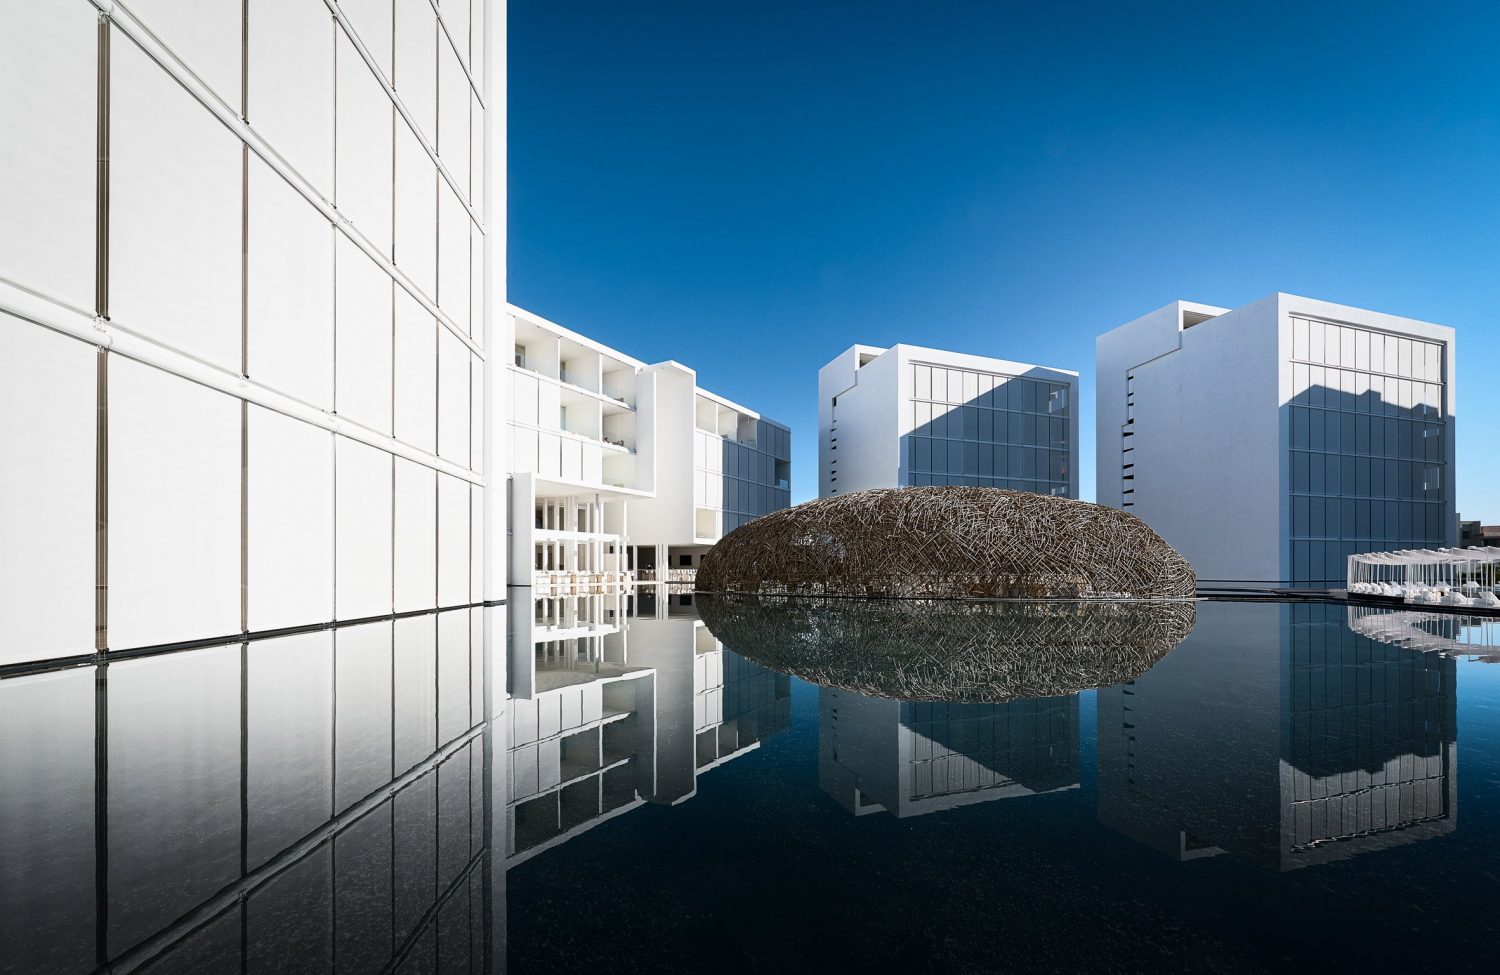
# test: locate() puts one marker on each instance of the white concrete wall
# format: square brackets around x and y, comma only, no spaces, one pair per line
[867,421]
[667,516]
[1211,470]
[226,368]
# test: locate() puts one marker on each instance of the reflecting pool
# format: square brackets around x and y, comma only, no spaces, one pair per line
[628,785]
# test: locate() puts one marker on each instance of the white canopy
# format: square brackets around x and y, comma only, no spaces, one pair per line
[1451,576]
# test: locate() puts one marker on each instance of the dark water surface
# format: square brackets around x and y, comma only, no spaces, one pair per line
[1282,789]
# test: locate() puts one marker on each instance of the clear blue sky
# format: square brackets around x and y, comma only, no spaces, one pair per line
[751,187]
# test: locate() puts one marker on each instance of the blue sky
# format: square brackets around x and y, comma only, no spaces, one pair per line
[750,188]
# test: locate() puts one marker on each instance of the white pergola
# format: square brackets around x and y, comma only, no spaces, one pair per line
[1441,576]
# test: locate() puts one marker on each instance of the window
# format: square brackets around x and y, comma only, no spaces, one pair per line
[685,561]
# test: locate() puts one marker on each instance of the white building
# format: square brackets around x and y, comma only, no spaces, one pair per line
[1268,443]
[247,273]
[622,470]
[908,416]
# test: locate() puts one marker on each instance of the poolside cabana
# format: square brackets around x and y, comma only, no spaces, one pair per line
[1433,577]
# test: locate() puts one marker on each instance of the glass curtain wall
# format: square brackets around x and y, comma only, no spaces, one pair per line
[981,429]
[1368,423]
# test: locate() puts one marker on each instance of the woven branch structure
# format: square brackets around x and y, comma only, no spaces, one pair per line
[947,650]
[948,543]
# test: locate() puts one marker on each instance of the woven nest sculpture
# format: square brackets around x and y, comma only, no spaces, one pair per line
[945,650]
[948,543]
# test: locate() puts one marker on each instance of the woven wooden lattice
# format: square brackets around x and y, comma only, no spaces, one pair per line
[947,650]
[948,543]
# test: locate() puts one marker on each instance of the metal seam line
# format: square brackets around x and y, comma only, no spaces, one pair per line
[132,27]
[391,93]
[52,313]
[462,64]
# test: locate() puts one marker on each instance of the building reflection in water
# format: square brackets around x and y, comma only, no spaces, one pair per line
[621,699]
[339,798]
[313,801]
[925,705]
[1476,637]
[1333,746]
[910,758]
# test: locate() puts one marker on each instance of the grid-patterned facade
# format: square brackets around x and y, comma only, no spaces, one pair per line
[744,476]
[983,429]
[242,293]
[1368,425]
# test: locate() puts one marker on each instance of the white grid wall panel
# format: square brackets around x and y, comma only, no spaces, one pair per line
[476,286]
[222,252]
[416,374]
[48,72]
[371,20]
[453,115]
[289,535]
[476,414]
[362,355]
[416,211]
[363,146]
[416,63]
[363,551]
[416,536]
[206,34]
[453,392]
[476,548]
[290,71]
[47,422]
[175,212]
[453,541]
[174,508]
[289,290]
[453,257]
[476,153]
[456,15]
